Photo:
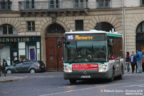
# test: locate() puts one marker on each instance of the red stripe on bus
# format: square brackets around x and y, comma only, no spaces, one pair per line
[84,66]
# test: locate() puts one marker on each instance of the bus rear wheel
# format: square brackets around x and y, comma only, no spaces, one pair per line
[112,78]
[72,81]
[120,77]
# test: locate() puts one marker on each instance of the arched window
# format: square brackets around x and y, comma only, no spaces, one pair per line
[55,28]
[104,26]
[140,36]
[140,28]
[7,29]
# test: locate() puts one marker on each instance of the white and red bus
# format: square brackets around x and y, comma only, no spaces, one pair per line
[92,55]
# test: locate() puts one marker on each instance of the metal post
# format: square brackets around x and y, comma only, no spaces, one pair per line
[124,32]
[123,26]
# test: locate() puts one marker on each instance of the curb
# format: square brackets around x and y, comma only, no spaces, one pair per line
[9,79]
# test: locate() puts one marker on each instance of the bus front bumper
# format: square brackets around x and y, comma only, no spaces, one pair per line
[81,75]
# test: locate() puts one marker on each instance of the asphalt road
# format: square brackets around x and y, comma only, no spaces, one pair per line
[53,84]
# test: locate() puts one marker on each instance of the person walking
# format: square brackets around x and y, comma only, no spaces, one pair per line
[139,60]
[4,66]
[128,62]
[143,61]
[133,62]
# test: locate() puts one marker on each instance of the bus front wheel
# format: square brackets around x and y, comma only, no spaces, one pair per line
[72,81]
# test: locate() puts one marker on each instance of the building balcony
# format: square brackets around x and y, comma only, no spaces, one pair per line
[53,9]
[5,6]
[52,6]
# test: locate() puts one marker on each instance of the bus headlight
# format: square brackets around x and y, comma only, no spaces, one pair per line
[103,67]
[67,68]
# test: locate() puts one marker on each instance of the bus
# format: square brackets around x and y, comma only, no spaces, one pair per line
[92,55]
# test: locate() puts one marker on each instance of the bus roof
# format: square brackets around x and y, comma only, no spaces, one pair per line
[111,34]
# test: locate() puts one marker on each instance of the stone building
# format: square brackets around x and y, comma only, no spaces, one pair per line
[31,28]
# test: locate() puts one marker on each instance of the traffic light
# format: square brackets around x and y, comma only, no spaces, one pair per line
[59,44]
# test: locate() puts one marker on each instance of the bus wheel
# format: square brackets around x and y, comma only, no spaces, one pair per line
[121,75]
[72,81]
[112,78]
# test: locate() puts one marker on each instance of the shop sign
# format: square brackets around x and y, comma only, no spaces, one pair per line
[17,39]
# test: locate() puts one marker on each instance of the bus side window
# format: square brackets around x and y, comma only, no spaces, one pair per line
[110,45]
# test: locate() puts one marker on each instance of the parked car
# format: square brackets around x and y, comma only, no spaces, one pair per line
[26,66]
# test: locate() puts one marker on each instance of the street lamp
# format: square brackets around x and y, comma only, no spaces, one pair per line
[123,26]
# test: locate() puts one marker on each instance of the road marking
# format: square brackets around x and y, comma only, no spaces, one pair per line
[140,85]
[69,91]
[51,76]
[103,85]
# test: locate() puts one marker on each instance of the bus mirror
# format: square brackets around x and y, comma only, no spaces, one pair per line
[121,53]
[112,58]
[110,42]
[67,42]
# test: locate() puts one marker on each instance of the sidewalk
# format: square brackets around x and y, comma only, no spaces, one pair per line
[9,78]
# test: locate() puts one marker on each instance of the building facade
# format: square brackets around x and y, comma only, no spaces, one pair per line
[32,28]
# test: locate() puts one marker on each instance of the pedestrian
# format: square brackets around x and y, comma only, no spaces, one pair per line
[133,62]
[128,62]
[139,60]
[143,60]
[4,67]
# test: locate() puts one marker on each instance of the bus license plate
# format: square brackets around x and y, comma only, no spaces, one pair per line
[85,76]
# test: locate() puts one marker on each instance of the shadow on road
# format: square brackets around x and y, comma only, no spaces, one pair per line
[94,81]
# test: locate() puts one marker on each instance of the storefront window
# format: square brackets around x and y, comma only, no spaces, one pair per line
[21,49]
[33,50]
[32,53]
[38,50]
[5,53]
[17,48]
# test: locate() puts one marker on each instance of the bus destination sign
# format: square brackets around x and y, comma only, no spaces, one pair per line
[78,37]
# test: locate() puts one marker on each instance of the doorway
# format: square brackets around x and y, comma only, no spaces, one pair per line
[140,36]
[54,53]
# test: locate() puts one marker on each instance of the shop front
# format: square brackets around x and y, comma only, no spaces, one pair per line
[20,48]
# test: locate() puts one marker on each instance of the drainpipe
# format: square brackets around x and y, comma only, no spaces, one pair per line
[123,27]
[124,33]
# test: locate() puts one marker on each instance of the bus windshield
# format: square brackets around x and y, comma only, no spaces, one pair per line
[85,51]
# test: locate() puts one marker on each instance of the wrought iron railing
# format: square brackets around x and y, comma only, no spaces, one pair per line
[47,5]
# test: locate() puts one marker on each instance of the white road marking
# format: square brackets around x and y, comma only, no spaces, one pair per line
[50,76]
[135,85]
[69,91]
[131,84]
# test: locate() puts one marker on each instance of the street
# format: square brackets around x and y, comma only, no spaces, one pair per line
[53,84]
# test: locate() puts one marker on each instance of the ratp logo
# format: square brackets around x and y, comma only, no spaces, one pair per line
[70,37]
